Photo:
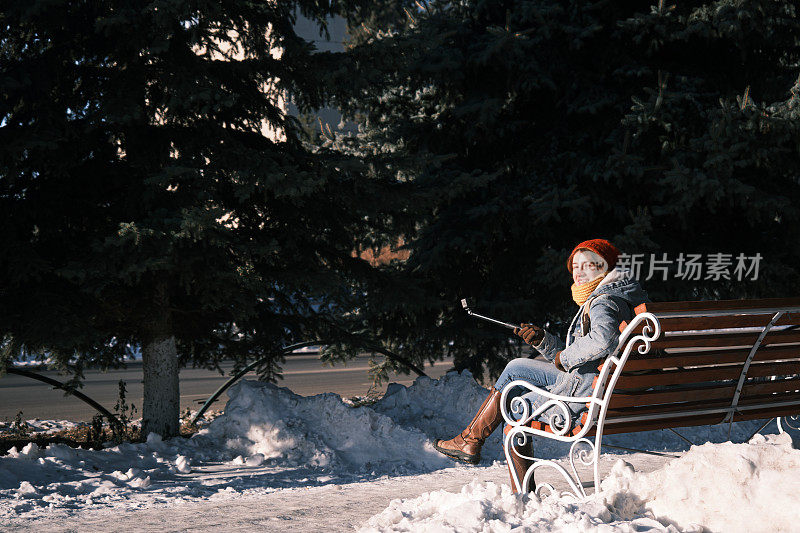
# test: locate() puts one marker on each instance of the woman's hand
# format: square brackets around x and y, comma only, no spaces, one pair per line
[530,333]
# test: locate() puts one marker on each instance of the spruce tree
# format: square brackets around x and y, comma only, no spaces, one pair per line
[529,126]
[712,137]
[142,202]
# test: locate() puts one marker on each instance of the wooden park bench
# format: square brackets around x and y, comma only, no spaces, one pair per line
[677,364]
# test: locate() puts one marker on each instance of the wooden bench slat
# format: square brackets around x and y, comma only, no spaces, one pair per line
[714,392]
[649,425]
[689,421]
[774,412]
[705,374]
[768,387]
[666,409]
[696,405]
[650,397]
[728,321]
[766,370]
[717,305]
[678,377]
[725,339]
[721,322]
[710,357]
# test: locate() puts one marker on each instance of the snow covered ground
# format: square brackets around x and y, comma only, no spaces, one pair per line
[276,460]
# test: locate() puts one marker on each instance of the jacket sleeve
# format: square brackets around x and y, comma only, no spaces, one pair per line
[549,346]
[602,338]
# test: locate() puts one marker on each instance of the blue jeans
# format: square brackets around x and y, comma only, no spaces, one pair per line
[542,374]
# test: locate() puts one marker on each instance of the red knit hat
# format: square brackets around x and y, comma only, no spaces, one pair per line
[601,247]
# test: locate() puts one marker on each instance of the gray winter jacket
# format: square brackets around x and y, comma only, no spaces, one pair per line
[591,338]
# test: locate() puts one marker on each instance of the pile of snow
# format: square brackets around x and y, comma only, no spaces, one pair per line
[439,408]
[266,424]
[719,487]
[724,487]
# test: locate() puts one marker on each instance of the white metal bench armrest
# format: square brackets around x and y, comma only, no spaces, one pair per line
[518,414]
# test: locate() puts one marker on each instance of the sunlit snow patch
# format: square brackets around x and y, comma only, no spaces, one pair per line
[267,424]
[714,487]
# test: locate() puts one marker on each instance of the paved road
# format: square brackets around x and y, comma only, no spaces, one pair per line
[303,374]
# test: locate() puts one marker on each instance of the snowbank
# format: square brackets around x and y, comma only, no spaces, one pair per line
[439,408]
[725,487]
[267,424]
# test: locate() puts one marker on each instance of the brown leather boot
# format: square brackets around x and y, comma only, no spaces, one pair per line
[519,464]
[467,445]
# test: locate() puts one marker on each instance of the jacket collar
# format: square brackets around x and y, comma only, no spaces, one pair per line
[616,277]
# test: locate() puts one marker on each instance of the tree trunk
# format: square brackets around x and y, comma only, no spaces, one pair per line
[161,404]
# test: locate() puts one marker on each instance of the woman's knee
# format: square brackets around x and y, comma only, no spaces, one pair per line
[512,370]
[518,365]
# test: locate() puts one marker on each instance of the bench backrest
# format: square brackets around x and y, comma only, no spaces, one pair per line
[713,361]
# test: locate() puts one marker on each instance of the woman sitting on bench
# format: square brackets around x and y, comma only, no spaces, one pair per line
[607,296]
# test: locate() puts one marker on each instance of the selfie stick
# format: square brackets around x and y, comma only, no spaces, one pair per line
[468,303]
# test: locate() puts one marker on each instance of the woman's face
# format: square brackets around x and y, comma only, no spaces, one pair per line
[587,266]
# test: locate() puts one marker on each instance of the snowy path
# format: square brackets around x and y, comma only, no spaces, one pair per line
[310,509]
